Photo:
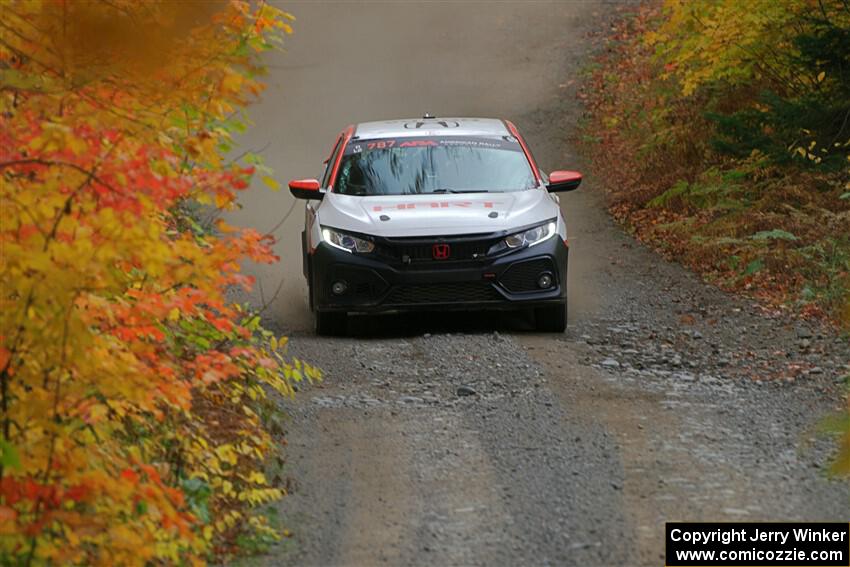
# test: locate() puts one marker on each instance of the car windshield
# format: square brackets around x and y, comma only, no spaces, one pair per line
[409,166]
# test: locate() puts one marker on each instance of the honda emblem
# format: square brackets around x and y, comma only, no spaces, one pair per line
[441,251]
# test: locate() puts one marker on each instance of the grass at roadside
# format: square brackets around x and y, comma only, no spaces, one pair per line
[722,136]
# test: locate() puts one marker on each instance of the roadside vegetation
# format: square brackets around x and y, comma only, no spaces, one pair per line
[722,132]
[137,422]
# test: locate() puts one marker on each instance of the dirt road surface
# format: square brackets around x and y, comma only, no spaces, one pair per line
[665,400]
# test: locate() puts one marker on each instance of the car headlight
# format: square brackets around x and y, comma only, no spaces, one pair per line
[526,238]
[347,242]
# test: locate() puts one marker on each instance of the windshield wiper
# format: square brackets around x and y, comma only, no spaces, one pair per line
[460,191]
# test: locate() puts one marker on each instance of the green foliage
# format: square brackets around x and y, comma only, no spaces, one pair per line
[775,234]
[9,458]
[711,191]
[807,130]
[753,267]
[827,269]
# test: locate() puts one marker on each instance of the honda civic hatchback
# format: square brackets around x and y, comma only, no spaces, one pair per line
[434,214]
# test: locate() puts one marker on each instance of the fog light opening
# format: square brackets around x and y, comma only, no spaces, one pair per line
[545,280]
[339,288]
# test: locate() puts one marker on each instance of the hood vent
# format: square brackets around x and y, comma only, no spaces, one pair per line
[431,124]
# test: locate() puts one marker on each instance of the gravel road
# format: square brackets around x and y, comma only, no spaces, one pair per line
[466,439]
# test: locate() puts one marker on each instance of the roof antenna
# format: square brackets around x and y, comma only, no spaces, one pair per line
[427,116]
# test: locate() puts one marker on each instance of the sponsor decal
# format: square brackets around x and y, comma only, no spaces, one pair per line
[436,205]
[418,144]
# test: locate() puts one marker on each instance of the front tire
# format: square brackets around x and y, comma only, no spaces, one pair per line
[331,323]
[551,318]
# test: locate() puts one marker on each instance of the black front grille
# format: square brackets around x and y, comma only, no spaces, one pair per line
[457,251]
[522,276]
[420,250]
[456,292]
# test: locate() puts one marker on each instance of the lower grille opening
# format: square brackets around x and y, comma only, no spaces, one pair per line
[456,292]
[363,289]
[522,276]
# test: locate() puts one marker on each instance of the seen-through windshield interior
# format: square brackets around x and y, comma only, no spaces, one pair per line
[409,166]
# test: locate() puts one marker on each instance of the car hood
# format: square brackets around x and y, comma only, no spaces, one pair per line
[441,214]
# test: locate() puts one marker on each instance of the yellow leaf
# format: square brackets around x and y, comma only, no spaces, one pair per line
[232,83]
[222,200]
[271,182]
[97,413]
[821,76]
[76,145]
[226,453]
[257,478]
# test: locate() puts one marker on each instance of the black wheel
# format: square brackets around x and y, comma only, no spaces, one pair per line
[310,296]
[308,271]
[552,318]
[331,323]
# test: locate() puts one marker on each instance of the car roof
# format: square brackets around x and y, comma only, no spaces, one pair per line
[431,126]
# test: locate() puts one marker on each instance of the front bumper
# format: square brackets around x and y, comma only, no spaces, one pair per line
[376,285]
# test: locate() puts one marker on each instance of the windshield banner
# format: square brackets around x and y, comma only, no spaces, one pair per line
[504,143]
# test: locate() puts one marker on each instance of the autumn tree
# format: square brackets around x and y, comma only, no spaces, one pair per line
[133,393]
[775,73]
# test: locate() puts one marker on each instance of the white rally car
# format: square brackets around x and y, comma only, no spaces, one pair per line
[434,213]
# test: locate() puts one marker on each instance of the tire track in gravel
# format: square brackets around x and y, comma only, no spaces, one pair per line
[378,500]
[486,479]
[700,451]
